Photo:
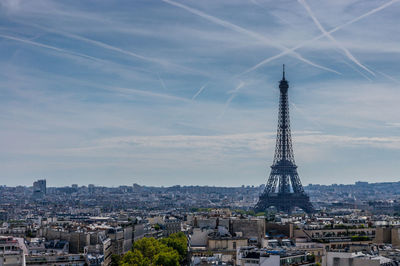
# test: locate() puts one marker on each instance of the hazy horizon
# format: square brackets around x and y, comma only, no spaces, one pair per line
[185,185]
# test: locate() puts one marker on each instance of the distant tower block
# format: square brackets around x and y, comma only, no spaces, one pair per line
[39,189]
[284,190]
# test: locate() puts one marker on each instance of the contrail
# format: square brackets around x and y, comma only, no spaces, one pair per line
[389,77]
[199,91]
[252,34]
[148,94]
[233,94]
[310,118]
[112,48]
[265,61]
[123,90]
[162,82]
[355,69]
[66,52]
[49,47]
[256,3]
[329,36]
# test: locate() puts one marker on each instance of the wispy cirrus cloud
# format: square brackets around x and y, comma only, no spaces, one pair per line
[308,42]
[114,48]
[339,45]
[247,32]
[199,91]
[148,94]
[233,94]
[259,141]
[30,42]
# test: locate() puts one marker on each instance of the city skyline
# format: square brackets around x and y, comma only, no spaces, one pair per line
[185,92]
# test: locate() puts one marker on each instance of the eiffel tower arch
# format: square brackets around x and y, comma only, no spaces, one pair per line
[284,190]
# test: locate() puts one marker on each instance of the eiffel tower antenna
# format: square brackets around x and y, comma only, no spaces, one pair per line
[284,190]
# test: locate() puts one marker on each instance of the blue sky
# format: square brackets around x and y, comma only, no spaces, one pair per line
[185,92]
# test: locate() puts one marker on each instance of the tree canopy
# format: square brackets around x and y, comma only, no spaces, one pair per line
[148,251]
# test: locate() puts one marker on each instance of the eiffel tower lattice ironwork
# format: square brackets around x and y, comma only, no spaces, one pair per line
[284,190]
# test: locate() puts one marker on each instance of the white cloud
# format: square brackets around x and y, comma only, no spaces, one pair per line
[250,144]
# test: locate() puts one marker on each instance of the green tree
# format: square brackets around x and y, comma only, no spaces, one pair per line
[148,247]
[178,242]
[167,258]
[239,211]
[157,227]
[115,260]
[170,251]
[251,212]
[134,258]
[359,238]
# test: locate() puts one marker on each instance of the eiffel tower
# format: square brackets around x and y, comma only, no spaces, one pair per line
[284,190]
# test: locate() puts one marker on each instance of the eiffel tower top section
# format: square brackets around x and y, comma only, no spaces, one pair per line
[284,150]
[283,84]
